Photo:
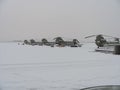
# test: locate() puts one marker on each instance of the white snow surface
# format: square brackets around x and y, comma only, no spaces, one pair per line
[25,67]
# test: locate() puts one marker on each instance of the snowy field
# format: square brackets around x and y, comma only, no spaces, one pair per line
[24,67]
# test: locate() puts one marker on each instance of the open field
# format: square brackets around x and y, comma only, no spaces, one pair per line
[24,67]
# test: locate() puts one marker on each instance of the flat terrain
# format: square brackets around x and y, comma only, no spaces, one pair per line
[24,67]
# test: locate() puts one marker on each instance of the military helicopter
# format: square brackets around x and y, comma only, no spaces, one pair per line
[45,42]
[105,45]
[61,43]
[58,42]
[32,42]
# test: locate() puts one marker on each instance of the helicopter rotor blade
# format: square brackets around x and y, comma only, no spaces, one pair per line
[111,37]
[90,36]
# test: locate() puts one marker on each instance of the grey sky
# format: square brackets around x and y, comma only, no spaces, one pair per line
[26,19]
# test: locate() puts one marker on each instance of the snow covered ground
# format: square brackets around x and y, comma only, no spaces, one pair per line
[24,67]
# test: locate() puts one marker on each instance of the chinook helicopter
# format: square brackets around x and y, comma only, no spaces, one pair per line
[45,42]
[58,42]
[32,42]
[105,44]
[61,43]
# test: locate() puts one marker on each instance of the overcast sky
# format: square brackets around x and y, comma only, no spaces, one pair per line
[26,19]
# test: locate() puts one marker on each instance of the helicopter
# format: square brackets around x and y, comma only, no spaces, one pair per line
[61,43]
[45,42]
[32,42]
[104,43]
